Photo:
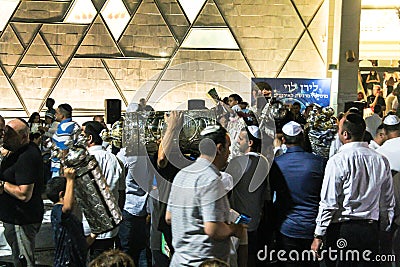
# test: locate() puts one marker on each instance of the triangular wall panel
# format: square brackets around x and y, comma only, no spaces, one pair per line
[307,8]
[9,42]
[318,30]
[10,104]
[98,4]
[209,16]
[38,54]
[148,34]
[41,11]
[98,41]
[302,57]
[192,8]
[229,68]
[33,84]
[26,30]
[86,84]
[135,77]
[132,5]
[174,16]
[63,39]
[267,45]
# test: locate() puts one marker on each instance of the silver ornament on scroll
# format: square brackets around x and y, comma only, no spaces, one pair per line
[91,190]
[322,130]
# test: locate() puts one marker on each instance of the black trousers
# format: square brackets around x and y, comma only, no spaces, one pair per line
[291,246]
[350,243]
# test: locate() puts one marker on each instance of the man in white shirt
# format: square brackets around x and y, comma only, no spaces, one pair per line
[113,171]
[390,148]
[357,191]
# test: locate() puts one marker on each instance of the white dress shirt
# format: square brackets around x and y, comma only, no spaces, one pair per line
[113,171]
[373,145]
[391,150]
[357,185]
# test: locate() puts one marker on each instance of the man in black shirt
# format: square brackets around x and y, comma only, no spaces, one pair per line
[376,98]
[21,183]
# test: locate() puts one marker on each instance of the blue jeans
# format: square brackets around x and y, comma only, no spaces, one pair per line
[132,235]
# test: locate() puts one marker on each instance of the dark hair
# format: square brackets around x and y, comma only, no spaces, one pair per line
[296,104]
[392,128]
[294,140]
[32,117]
[354,124]
[377,109]
[50,102]
[33,136]
[65,110]
[264,85]
[54,187]
[94,129]
[209,141]
[353,110]
[112,258]
[2,119]
[237,98]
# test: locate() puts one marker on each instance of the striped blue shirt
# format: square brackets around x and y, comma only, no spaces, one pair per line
[65,132]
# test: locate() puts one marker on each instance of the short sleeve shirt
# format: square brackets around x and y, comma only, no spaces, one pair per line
[23,167]
[70,242]
[197,196]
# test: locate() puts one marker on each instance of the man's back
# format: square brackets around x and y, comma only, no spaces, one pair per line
[390,149]
[247,171]
[358,173]
[197,196]
[296,176]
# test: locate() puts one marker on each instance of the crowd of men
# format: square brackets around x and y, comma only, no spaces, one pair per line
[181,210]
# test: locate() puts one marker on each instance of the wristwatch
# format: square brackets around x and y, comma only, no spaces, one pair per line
[318,236]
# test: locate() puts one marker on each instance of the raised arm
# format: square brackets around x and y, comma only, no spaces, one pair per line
[68,204]
[171,138]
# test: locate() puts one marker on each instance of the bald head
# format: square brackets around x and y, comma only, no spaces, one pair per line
[19,125]
[16,135]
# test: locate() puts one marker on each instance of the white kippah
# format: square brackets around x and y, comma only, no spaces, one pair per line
[292,128]
[254,131]
[391,120]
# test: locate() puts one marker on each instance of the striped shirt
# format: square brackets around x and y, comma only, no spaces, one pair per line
[65,132]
